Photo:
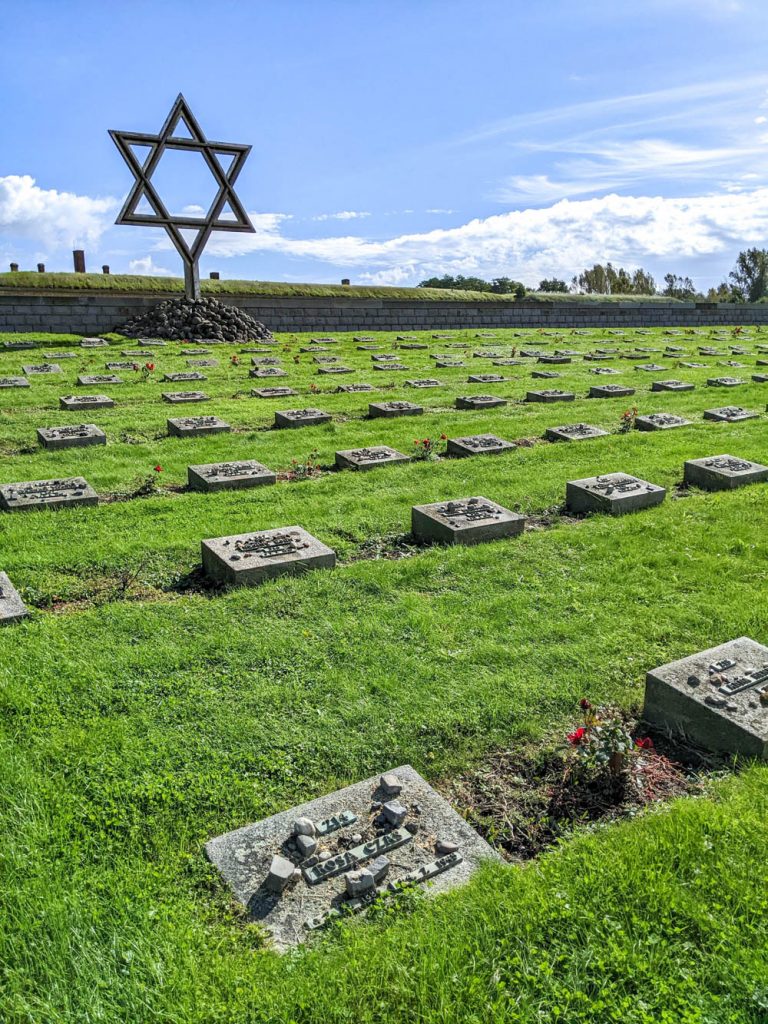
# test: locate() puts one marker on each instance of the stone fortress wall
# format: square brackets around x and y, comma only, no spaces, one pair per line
[93,313]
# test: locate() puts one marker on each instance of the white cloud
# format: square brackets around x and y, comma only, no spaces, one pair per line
[52,219]
[437,209]
[146,265]
[533,243]
[193,210]
[343,215]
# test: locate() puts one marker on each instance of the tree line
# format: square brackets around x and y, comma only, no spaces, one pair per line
[747,282]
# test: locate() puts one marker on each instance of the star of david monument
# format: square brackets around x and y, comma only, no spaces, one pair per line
[225,161]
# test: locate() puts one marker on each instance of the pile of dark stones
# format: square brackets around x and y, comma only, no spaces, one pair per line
[194,320]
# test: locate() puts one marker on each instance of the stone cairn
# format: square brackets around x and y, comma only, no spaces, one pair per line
[195,320]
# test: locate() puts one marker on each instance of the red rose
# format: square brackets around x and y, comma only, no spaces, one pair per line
[646,743]
[576,737]
[158,469]
[149,366]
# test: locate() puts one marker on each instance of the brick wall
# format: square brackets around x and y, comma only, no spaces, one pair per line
[96,313]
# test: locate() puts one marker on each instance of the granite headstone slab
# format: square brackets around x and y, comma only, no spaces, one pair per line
[615,493]
[251,558]
[221,476]
[723,472]
[718,697]
[464,521]
[74,436]
[196,426]
[358,853]
[40,494]
[12,608]
[477,444]
[369,458]
[86,402]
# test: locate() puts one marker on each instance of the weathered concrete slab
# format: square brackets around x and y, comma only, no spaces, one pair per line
[479,402]
[660,421]
[718,697]
[183,397]
[724,382]
[89,379]
[196,426]
[545,374]
[610,391]
[227,476]
[477,444]
[352,388]
[730,414]
[614,493]
[369,458]
[550,395]
[12,608]
[389,366]
[80,435]
[574,432]
[486,378]
[94,343]
[40,494]
[301,417]
[390,409]
[424,382]
[73,402]
[181,377]
[434,845]
[278,392]
[266,372]
[329,371]
[14,382]
[40,369]
[247,559]
[672,385]
[464,521]
[723,472]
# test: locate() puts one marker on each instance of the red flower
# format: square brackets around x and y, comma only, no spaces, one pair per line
[576,737]
[158,469]
[149,366]
[584,704]
[646,743]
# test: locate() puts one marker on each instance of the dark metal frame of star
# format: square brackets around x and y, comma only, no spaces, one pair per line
[175,224]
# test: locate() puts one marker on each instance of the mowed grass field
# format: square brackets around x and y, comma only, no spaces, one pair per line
[144,712]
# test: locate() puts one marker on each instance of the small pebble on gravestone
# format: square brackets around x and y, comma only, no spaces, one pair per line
[304,827]
[281,872]
[359,882]
[391,785]
[306,845]
[379,868]
[395,812]
[445,846]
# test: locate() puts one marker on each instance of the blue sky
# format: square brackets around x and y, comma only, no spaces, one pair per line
[396,140]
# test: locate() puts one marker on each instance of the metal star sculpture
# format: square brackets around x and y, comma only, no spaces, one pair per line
[174,225]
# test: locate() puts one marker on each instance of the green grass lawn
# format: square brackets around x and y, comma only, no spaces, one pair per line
[143,713]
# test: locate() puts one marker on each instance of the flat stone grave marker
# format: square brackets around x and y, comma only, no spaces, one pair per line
[196,426]
[610,391]
[406,337]
[86,402]
[79,436]
[442,336]
[479,402]
[14,382]
[673,350]
[362,339]
[724,382]
[94,343]
[464,521]
[60,355]
[487,355]
[369,348]
[597,357]
[672,385]
[532,353]
[301,417]
[387,358]
[12,608]
[457,344]
[390,409]
[761,362]
[760,378]
[369,458]
[574,432]
[265,372]
[645,349]
[278,392]
[325,359]
[351,834]
[651,368]
[477,444]
[195,352]
[41,368]
[506,362]
[179,377]
[552,395]
[486,378]
[323,341]
[180,397]
[706,351]
[330,370]
[87,379]
[554,360]
[17,346]
[718,697]
[729,414]
[438,356]
[246,559]
[660,421]
[605,371]
[202,362]
[632,356]
[723,472]
[221,476]
[733,364]
[159,343]
[446,364]
[544,374]
[121,366]
[39,494]
[486,334]
[137,353]
[352,388]
[614,493]
[426,382]
[389,366]
[412,346]
[261,350]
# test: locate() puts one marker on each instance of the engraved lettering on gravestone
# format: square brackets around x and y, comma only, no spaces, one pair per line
[357,855]
[472,511]
[731,464]
[276,545]
[620,485]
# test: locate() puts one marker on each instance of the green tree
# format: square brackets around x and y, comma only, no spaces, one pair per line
[678,287]
[552,284]
[750,275]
